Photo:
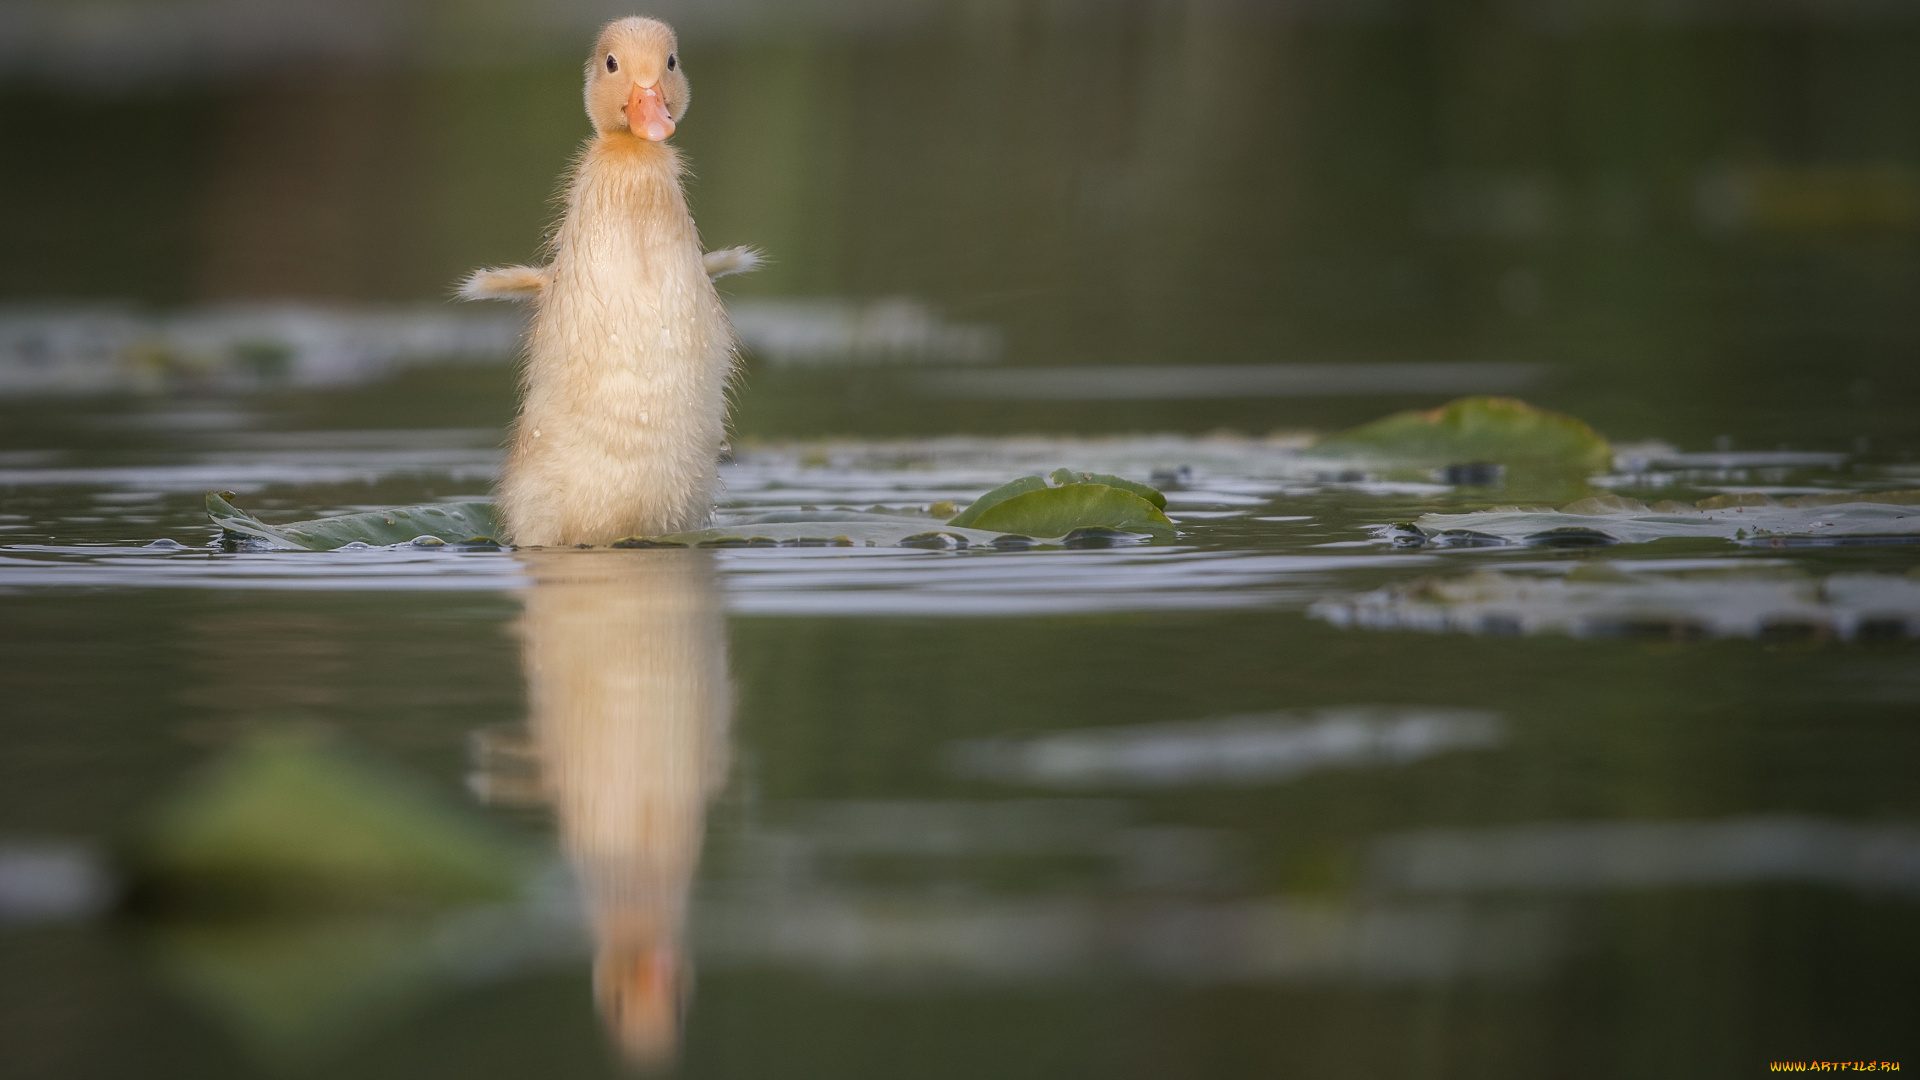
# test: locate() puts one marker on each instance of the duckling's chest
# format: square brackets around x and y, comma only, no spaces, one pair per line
[638,274]
[631,298]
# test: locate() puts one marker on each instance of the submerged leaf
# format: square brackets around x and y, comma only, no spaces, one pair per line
[464,522]
[1490,430]
[287,822]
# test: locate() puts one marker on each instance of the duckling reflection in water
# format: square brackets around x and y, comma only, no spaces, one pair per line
[626,664]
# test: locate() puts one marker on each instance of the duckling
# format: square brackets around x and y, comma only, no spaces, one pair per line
[624,393]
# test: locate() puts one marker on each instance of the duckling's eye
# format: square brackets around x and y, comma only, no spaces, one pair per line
[670,61]
[612,64]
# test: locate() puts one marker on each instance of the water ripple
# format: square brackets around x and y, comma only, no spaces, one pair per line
[804,581]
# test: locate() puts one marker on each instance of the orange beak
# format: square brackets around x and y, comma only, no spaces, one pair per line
[647,114]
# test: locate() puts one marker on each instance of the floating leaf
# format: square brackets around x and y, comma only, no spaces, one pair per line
[288,822]
[997,496]
[1749,518]
[1151,494]
[464,522]
[1053,512]
[1029,507]
[1490,430]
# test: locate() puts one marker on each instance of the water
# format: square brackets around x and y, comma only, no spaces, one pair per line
[1283,796]
[1029,808]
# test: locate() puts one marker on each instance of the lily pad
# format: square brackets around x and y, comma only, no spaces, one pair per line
[289,822]
[463,522]
[1030,507]
[1493,430]
[1151,494]
[1052,512]
[991,499]
[1749,518]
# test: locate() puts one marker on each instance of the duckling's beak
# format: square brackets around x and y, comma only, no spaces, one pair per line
[647,114]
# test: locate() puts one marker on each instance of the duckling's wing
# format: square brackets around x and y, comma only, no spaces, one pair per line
[733,260]
[506,283]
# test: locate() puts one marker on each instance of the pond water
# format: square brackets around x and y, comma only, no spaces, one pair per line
[1294,793]
[1061,812]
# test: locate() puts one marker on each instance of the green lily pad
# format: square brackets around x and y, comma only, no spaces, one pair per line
[1030,507]
[1052,512]
[1151,494]
[464,522]
[1477,429]
[995,497]
[288,822]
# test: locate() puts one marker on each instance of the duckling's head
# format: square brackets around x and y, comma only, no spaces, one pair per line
[634,79]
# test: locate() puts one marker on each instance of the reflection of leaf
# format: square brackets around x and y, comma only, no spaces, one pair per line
[1254,748]
[302,894]
[1490,429]
[1839,518]
[289,823]
[290,989]
[1617,598]
[452,522]
[293,989]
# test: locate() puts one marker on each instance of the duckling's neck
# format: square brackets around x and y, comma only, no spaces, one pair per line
[636,152]
[633,179]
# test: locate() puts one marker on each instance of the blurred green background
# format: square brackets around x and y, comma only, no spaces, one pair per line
[1700,216]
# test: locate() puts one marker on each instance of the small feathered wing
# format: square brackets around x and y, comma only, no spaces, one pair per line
[506,283]
[733,260]
[526,282]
